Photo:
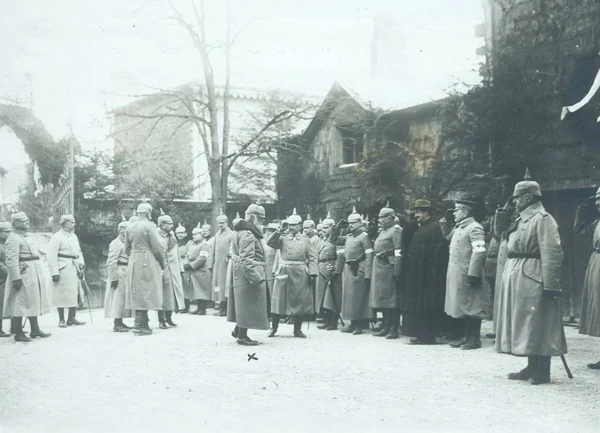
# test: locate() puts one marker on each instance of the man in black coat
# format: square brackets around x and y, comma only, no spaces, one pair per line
[425,265]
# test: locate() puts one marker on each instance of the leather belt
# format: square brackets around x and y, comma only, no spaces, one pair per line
[515,255]
[67,256]
[292,263]
[256,262]
[28,259]
[120,263]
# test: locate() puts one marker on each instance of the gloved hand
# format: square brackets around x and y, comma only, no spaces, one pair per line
[114,284]
[17,284]
[187,267]
[449,215]
[474,282]
[342,224]
[55,278]
[368,283]
[283,226]
[550,294]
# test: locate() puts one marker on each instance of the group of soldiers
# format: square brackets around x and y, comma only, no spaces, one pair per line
[433,277]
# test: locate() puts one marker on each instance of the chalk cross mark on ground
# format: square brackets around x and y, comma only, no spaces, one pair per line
[252,357]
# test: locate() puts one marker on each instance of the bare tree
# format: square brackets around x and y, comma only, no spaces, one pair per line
[206,108]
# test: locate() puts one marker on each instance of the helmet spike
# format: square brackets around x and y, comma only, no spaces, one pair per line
[162,212]
[527,174]
[258,201]
[123,219]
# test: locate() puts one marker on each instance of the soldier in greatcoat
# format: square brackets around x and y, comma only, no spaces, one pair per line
[200,276]
[183,242]
[172,283]
[116,292]
[530,319]
[25,291]
[209,239]
[586,222]
[329,279]
[220,259]
[65,262]
[466,291]
[248,294]
[356,278]
[309,230]
[385,278]
[144,270]
[270,254]
[5,229]
[424,274]
[296,275]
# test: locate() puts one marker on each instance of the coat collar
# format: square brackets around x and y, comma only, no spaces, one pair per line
[465,222]
[297,236]
[534,209]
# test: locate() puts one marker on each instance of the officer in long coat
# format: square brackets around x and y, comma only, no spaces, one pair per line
[248,294]
[270,254]
[182,240]
[200,276]
[296,275]
[26,291]
[356,278]
[586,223]
[309,230]
[172,283]
[144,270]
[424,274]
[65,262]
[329,279]
[116,293]
[220,258]
[385,278]
[530,320]
[466,291]
[209,239]
[5,229]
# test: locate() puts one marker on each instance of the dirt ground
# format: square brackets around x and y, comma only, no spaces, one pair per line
[196,378]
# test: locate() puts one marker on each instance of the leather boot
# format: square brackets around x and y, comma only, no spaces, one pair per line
[393,334]
[542,373]
[119,326]
[35,329]
[236,332]
[243,338]
[274,325]
[386,324]
[17,327]
[186,310]
[169,318]
[72,320]
[161,320]
[333,322]
[594,365]
[464,339]
[223,309]
[327,320]
[527,372]
[297,328]
[141,323]
[201,311]
[350,328]
[474,336]
[61,318]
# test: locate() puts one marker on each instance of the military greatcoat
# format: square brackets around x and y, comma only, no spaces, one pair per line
[528,322]
[23,263]
[248,295]
[116,266]
[328,257]
[387,263]
[65,259]
[292,292]
[589,323]
[3,276]
[200,276]
[467,258]
[185,277]
[172,283]
[270,254]
[144,270]
[220,254]
[356,294]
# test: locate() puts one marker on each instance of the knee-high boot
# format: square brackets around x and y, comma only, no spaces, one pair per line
[16,326]
[527,372]
[542,373]
[169,318]
[298,328]
[473,339]
[71,320]
[327,315]
[161,320]
[386,324]
[274,325]
[393,334]
[35,329]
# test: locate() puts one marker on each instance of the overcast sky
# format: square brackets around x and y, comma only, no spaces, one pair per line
[84,56]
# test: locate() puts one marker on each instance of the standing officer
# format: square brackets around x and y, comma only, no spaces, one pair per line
[5,229]
[65,262]
[248,294]
[116,266]
[385,278]
[144,271]
[466,291]
[586,222]
[270,254]
[181,235]
[425,267]
[200,276]
[356,279]
[220,253]
[530,313]
[25,292]
[172,284]
[295,276]
[329,280]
